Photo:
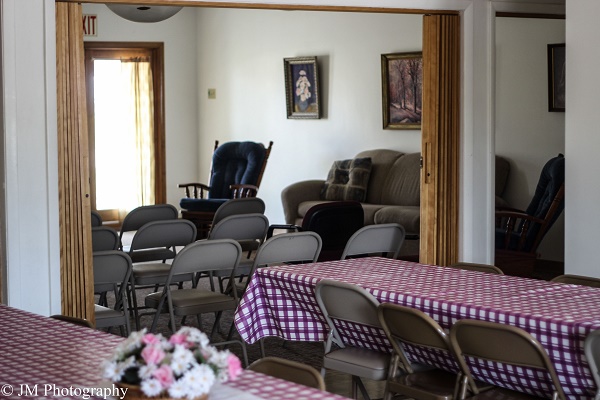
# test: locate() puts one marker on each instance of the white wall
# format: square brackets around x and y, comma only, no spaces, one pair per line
[243,61]
[178,34]
[582,138]
[526,133]
[30,159]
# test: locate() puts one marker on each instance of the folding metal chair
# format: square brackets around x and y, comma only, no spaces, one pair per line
[503,344]
[405,325]
[490,269]
[197,257]
[385,239]
[577,280]
[112,272]
[341,301]
[290,371]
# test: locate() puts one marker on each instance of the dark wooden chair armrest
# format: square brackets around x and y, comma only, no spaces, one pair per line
[242,190]
[194,190]
[516,223]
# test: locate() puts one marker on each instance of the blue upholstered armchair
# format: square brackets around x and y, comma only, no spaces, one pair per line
[519,233]
[236,172]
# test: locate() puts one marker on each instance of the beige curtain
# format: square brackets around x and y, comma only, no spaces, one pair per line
[440,139]
[76,275]
[138,73]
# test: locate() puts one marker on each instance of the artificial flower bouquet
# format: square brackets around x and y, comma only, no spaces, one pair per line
[182,366]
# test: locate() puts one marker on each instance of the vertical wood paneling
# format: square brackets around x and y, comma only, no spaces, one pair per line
[440,139]
[76,274]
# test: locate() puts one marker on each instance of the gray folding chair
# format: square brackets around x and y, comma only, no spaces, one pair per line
[350,303]
[577,280]
[152,244]
[288,370]
[248,229]
[490,341]
[490,269]
[73,320]
[112,272]
[295,247]
[592,353]
[96,219]
[245,205]
[104,238]
[386,239]
[405,325]
[158,240]
[140,216]
[198,257]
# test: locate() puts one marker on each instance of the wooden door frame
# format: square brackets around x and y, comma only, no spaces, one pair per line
[157,51]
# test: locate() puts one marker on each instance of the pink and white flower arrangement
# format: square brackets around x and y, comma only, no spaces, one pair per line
[182,366]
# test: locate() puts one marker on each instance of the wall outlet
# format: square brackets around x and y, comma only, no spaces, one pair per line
[212,93]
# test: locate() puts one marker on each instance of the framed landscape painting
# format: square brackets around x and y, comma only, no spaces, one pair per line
[302,87]
[556,77]
[402,90]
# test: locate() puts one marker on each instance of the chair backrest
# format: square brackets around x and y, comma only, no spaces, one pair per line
[112,269]
[490,269]
[592,353]
[96,219]
[245,205]
[514,346]
[241,227]
[73,320]
[383,238]
[237,163]
[167,233]
[346,302]
[548,200]
[408,325]
[288,370]
[292,247]
[577,280]
[104,238]
[207,255]
[335,222]
[140,216]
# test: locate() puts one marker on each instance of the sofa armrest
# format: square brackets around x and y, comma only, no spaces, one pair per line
[297,193]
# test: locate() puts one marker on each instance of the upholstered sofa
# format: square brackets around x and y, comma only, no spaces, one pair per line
[392,193]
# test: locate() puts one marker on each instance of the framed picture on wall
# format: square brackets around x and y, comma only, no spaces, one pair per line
[556,77]
[302,87]
[402,90]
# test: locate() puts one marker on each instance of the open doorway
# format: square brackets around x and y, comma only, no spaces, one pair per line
[126,127]
[527,134]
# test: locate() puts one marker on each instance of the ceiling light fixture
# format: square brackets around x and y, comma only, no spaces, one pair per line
[137,13]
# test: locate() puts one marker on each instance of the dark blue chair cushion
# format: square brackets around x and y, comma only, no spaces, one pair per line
[206,205]
[235,163]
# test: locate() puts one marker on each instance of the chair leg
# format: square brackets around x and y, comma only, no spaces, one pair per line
[261,342]
[363,390]
[216,324]
[134,306]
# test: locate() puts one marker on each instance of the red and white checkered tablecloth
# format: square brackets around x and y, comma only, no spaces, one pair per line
[43,358]
[280,301]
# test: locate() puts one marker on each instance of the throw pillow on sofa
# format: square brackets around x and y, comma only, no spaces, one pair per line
[347,180]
